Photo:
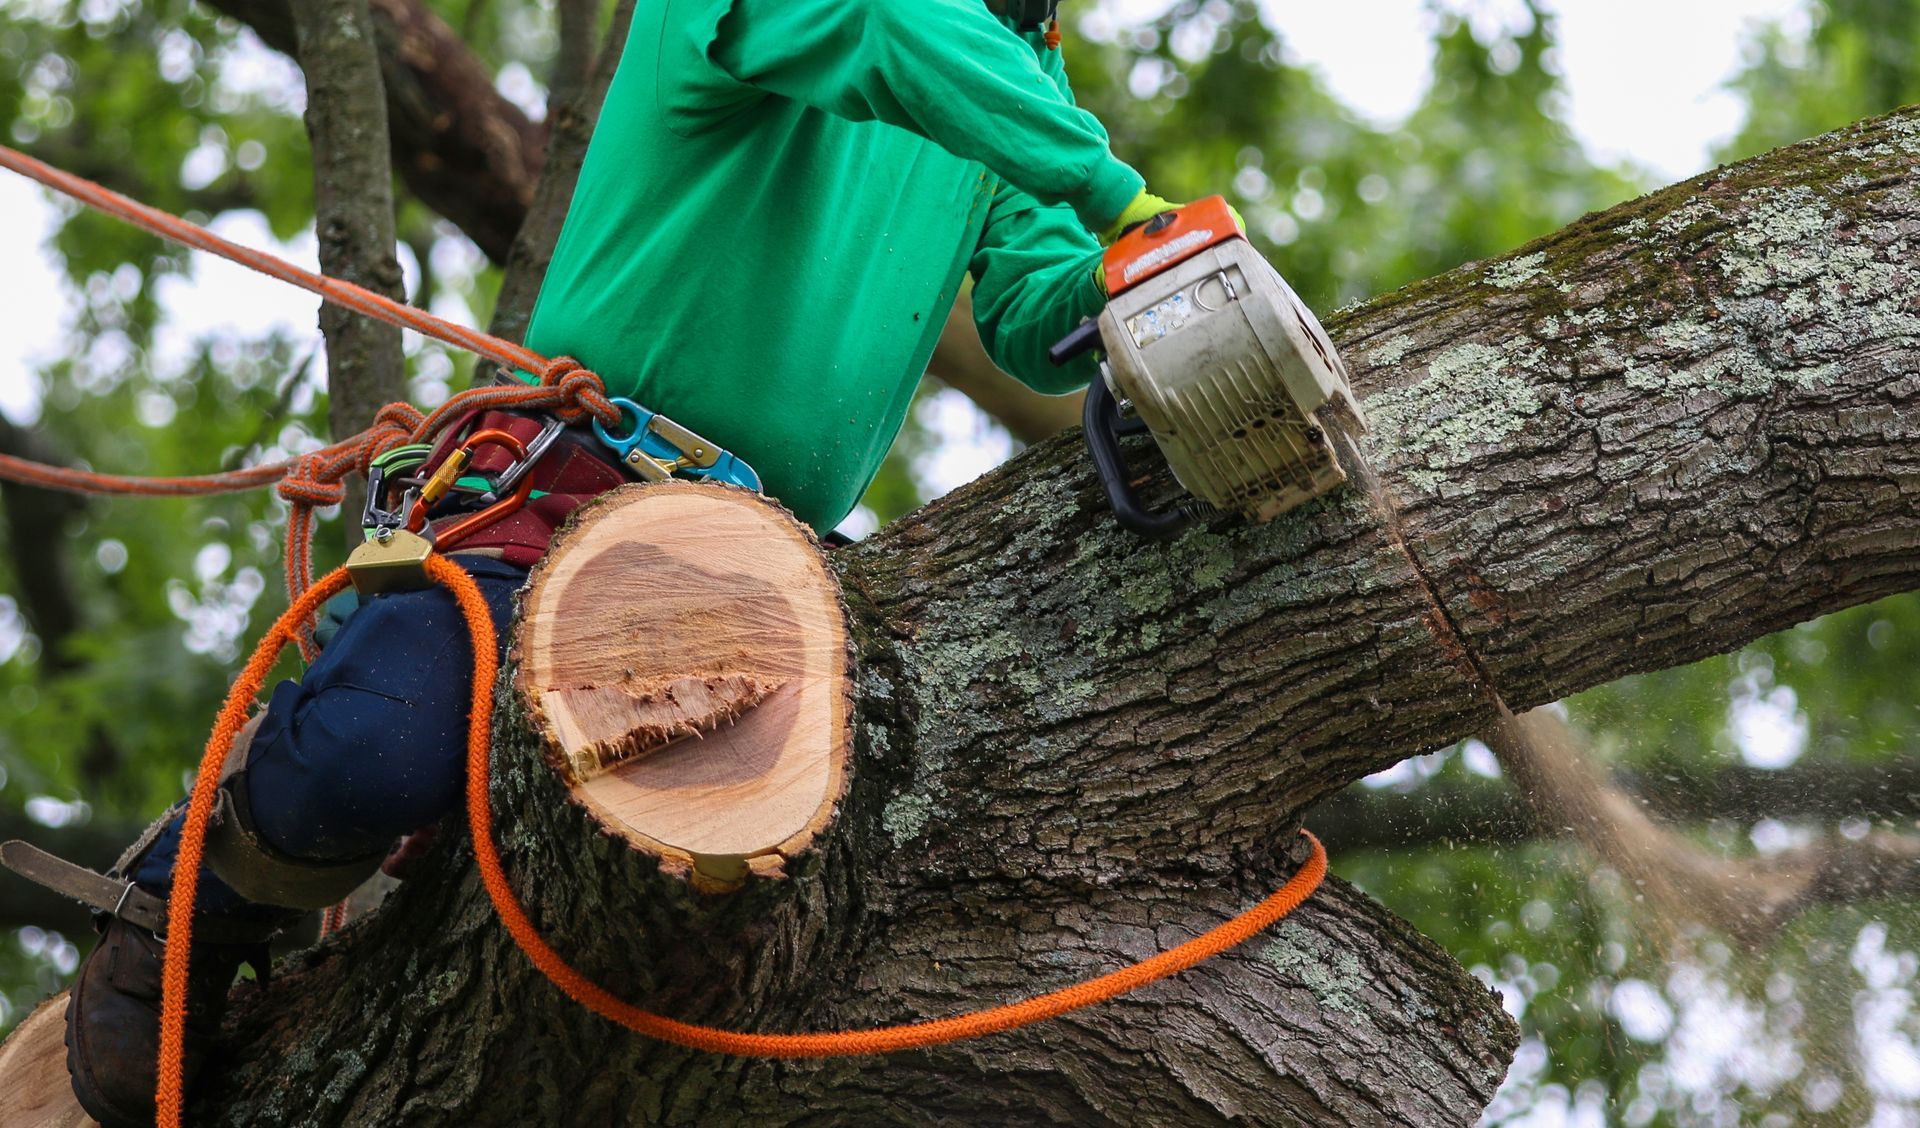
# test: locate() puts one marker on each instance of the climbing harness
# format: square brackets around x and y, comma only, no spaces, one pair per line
[394,555]
[482,450]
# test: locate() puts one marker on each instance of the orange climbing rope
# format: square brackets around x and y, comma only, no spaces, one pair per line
[353,297]
[170,1094]
[313,480]
[880,1040]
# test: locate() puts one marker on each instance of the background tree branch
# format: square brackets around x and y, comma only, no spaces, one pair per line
[575,109]
[961,363]
[37,522]
[1750,899]
[460,146]
[1483,812]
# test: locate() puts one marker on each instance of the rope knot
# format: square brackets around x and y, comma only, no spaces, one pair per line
[314,482]
[393,425]
[582,392]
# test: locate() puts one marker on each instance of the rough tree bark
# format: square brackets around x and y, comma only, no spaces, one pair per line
[1653,436]
[352,210]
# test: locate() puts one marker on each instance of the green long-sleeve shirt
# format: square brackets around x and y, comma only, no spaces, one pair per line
[781,200]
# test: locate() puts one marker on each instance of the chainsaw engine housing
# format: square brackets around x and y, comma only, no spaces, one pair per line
[1209,347]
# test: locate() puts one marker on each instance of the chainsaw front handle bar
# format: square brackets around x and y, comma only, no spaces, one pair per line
[1103,424]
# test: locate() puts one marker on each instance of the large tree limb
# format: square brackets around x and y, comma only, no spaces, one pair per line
[1657,435]
[1660,434]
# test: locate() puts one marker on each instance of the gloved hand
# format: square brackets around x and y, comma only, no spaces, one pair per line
[1144,207]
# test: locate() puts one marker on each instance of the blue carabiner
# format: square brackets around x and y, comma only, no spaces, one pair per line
[658,448]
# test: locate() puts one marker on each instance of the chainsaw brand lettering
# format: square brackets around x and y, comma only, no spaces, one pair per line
[1155,258]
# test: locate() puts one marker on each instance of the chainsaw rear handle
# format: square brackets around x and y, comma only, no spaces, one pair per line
[1103,424]
[1084,339]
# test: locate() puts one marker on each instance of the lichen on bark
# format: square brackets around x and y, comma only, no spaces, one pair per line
[1076,748]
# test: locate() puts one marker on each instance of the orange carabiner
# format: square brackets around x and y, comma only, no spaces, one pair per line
[448,473]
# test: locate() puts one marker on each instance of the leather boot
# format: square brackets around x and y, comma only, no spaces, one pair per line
[113,1018]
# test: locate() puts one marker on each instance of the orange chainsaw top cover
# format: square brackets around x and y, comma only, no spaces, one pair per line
[1166,240]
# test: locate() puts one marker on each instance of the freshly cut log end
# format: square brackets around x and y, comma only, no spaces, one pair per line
[683,651]
[37,1093]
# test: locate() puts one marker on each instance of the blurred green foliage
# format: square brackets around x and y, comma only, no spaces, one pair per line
[1859,60]
[173,106]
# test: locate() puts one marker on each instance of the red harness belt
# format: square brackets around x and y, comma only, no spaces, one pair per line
[574,470]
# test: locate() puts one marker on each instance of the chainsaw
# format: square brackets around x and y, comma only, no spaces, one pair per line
[1207,349]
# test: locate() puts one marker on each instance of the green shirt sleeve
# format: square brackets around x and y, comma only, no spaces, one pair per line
[1033,281]
[947,70]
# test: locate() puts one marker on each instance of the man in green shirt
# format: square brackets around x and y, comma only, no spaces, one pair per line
[780,203]
[782,200]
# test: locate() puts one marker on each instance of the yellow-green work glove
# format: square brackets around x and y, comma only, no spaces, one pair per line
[1144,207]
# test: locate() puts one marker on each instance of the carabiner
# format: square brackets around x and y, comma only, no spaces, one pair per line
[657,448]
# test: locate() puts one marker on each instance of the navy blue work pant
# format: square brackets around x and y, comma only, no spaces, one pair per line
[371,744]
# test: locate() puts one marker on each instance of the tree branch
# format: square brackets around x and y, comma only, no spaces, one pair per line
[573,123]
[962,364]
[573,59]
[37,523]
[1657,435]
[1484,813]
[1751,899]
[352,212]
[461,147]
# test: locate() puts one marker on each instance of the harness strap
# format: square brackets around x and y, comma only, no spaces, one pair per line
[118,897]
[573,470]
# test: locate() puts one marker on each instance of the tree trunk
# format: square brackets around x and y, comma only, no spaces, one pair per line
[1654,436]
[353,212]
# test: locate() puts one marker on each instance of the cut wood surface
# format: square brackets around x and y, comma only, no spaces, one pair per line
[684,650]
[33,1060]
